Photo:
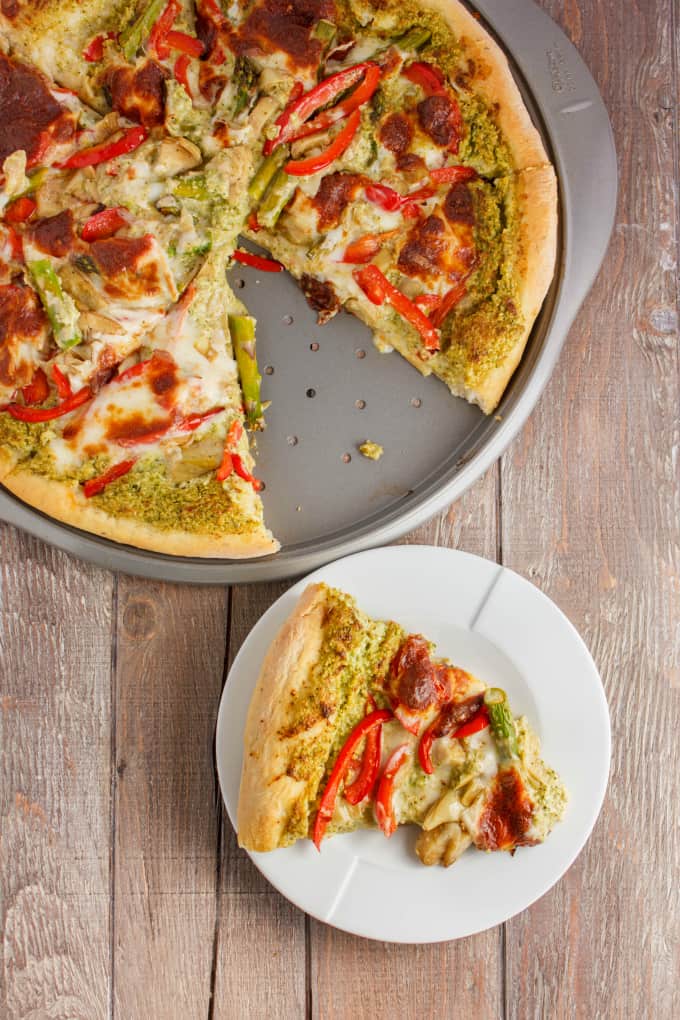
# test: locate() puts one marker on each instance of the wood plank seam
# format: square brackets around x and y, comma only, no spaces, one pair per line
[112,806]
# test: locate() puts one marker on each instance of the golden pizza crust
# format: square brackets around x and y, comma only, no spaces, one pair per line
[491,78]
[268,795]
[63,502]
[535,266]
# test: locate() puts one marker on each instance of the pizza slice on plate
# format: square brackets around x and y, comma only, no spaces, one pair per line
[355,723]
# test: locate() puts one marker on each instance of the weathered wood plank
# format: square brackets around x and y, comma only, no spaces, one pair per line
[55,781]
[170,661]
[260,947]
[449,979]
[590,514]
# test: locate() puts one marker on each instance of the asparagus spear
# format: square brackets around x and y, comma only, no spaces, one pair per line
[242,330]
[244,77]
[266,172]
[276,199]
[414,39]
[324,31]
[60,307]
[132,37]
[502,723]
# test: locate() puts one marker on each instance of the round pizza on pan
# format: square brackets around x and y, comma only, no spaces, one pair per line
[380,151]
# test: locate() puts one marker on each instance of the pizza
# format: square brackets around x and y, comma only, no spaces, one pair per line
[355,723]
[379,151]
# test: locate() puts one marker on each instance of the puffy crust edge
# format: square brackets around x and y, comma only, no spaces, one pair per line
[534,266]
[492,79]
[59,500]
[267,794]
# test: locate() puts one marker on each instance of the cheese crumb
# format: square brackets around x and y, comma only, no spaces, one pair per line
[373,451]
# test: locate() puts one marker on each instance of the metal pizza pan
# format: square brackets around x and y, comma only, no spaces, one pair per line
[330,390]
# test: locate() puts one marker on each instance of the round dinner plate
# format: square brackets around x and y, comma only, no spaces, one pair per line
[490,621]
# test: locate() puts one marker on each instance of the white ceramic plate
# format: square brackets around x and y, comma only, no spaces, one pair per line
[495,624]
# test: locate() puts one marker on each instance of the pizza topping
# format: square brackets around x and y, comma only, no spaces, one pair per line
[378,289]
[365,248]
[234,434]
[94,51]
[320,296]
[447,304]
[458,205]
[39,414]
[181,72]
[54,235]
[130,140]
[384,807]
[363,785]
[396,133]
[138,31]
[186,44]
[158,37]
[456,720]
[38,390]
[97,485]
[452,174]
[30,117]
[291,123]
[103,224]
[288,26]
[335,193]
[130,266]
[248,258]
[340,769]
[425,245]
[23,333]
[242,332]
[64,389]
[20,210]
[507,814]
[429,78]
[341,142]
[60,307]
[439,118]
[138,93]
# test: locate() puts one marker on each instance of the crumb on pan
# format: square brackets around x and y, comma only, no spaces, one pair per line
[373,451]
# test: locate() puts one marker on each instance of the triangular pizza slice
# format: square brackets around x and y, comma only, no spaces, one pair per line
[356,723]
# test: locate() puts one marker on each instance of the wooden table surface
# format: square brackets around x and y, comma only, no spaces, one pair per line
[122,891]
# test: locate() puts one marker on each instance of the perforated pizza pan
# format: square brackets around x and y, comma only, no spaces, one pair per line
[331,390]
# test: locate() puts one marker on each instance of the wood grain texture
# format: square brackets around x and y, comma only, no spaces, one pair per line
[54,784]
[123,894]
[597,467]
[169,666]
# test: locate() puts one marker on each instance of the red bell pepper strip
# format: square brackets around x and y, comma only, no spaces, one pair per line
[479,721]
[97,485]
[372,281]
[38,390]
[300,109]
[341,142]
[252,221]
[187,424]
[326,118]
[449,301]
[427,301]
[363,249]
[161,28]
[384,809]
[104,151]
[180,71]
[103,224]
[363,785]
[242,472]
[371,284]
[430,78]
[94,51]
[61,382]
[189,45]
[34,414]
[257,261]
[452,174]
[389,199]
[16,244]
[20,210]
[234,434]
[339,770]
